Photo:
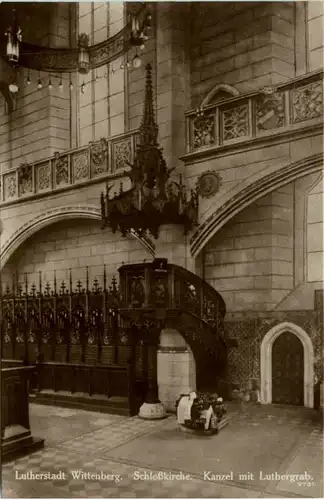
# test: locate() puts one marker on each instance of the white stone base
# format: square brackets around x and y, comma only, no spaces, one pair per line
[152,411]
[176,371]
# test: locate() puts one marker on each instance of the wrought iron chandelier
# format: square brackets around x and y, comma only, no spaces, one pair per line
[154,198]
[81,59]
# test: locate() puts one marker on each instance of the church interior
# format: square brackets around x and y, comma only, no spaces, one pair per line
[161,244]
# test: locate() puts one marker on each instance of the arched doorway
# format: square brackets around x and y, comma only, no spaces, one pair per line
[288,370]
[287,366]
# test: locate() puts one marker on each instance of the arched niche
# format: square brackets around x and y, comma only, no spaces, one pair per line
[220,92]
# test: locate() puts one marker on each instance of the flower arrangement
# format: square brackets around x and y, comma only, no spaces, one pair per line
[206,411]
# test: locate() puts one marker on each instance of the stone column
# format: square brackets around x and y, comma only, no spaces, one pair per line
[176,371]
[172,78]
[173,245]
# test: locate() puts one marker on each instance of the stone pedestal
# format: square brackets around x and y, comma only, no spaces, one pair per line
[176,371]
[152,411]
[16,438]
[152,408]
[17,441]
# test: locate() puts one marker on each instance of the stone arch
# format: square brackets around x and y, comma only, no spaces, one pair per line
[52,216]
[220,88]
[266,362]
[247,192]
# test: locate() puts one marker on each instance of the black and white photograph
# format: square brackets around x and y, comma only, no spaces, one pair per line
[161,249]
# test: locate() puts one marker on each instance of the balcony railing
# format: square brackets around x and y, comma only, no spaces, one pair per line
[271,110]
[99,160]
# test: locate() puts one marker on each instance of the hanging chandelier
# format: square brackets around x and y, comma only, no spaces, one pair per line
[14,38]
[83,58]
[154,198]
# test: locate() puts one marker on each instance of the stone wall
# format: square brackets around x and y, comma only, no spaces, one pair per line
[265,256]
[245,44]
[40,121]
[315,232]
[73,244]
[250,260]
[315,39]
[4,131]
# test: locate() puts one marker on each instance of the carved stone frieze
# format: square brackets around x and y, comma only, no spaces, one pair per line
[203,131]
[80,166]
[61,170]
[270,111]
[25,179]
[43,176]
[99,157]
[235,122]
[307,102]
[122,154]
[10,186]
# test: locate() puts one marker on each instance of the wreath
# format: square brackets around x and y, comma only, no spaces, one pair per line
[202,402]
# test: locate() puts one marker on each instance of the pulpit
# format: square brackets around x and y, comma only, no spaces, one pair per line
[16,438]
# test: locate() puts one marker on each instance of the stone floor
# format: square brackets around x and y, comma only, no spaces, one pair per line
[135,458]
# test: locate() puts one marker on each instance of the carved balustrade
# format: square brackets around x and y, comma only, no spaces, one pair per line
[103,159]
[259,114]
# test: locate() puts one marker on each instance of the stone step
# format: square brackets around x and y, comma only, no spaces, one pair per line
[115,405]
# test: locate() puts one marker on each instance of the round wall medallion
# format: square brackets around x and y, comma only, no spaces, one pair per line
[208,183]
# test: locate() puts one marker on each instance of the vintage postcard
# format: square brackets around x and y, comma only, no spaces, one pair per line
[161,249]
